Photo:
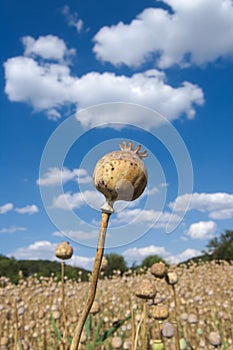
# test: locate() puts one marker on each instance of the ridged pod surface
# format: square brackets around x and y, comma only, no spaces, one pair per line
[121,175]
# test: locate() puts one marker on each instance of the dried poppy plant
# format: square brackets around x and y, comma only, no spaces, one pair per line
[119,175]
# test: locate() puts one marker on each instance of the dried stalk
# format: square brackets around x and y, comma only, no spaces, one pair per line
[133,328]
[94,279]
[144,335]
[16,326]
[137,331]
[65,335]
[177,337]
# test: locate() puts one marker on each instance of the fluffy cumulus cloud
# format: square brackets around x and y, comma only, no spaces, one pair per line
[6,207]
[77,234]
[49,86]
[187,254]
[70,201]
[45,250]
[37,250]
[54,176]
[138,254]
[202,230]
[151,217]
[218,205]
[194,32]
[48,47]
[81,261]
[28,209]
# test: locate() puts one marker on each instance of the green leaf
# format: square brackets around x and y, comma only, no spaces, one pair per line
[99,325]
[56,330]
[20,345]
[88,326]
[111,330]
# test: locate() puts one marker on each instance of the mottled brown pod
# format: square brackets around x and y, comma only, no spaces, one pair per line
[121,175]
[64,251]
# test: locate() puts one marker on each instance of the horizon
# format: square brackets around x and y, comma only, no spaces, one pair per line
[80,78]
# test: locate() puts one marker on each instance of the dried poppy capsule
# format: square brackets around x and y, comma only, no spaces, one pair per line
[95,308]
[56,314]
[168,330]
[215,339]
[104,263]
[158,269]
[121,175]
[145,290]
[4,341]
[159,312]
[116,342]
[171,278]
[192,318]
[64,251]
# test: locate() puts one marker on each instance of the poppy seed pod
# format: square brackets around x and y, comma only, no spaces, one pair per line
[157,345]
[95,308]
[4,341]
[215,339]
[171,278]
[104,263]
[159,312]
[183,344]
[145,290]
[168,330]
[116,342]
[158,269]
[121,175]
[64,251]
[192,318]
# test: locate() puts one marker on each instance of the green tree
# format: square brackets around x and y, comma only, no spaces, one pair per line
[221,247]
[150,260]
[115,262]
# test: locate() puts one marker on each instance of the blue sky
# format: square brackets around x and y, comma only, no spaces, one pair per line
[84,76]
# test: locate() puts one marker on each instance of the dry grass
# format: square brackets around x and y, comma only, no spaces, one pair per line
[204,305]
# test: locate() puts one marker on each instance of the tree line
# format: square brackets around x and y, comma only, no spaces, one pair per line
[218,248]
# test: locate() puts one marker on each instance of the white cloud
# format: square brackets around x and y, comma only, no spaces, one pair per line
[202,230]
[6,207]
[69,201]
[196,32]
[13,229]
[43,86]
[81,261]
[28,209]
[218,205]
[77,235]
[45,250]
[139,216]
[49,87]
[38,250]
[48,47]
[54,176]
[183,256]
[73,19]
[138,254]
